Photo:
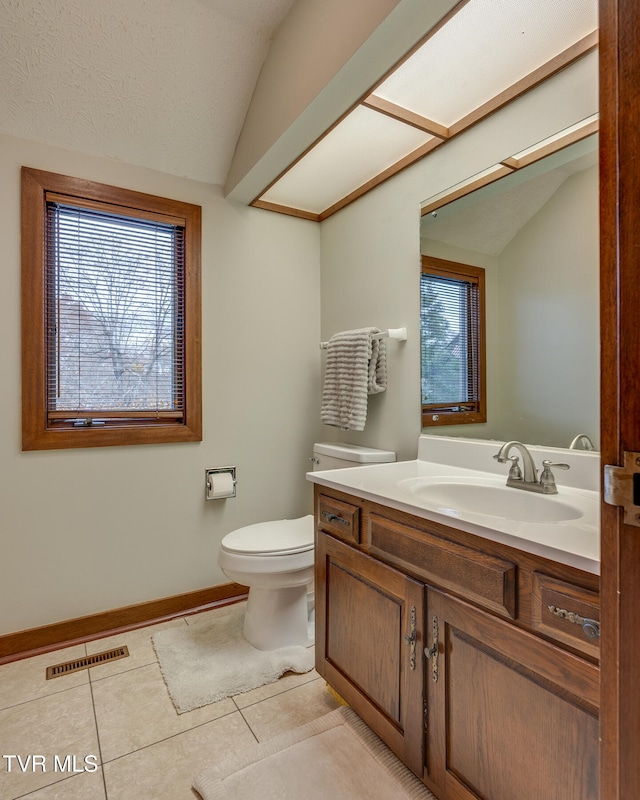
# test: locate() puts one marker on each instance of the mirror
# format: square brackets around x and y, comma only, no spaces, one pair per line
[535,232]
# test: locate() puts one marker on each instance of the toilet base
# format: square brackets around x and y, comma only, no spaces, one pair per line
[278,618]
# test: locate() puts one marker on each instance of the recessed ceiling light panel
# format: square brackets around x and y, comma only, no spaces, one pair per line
[364,144]
[483,50]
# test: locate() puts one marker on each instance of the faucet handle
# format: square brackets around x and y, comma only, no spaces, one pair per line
[548,464]
[547,481]
[514,471]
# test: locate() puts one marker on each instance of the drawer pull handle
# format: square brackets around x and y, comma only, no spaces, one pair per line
[335,518]
[590,627]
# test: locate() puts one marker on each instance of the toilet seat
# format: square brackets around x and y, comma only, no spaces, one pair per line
[275,560]
[274,538]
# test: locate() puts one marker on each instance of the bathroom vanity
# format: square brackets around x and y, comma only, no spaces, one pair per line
[471,651]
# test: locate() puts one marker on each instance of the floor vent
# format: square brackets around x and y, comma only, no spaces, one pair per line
[88,661]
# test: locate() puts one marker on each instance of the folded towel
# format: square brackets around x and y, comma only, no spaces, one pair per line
[356,367]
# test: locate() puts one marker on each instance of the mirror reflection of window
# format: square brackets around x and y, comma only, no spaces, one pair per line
[452,342]
[535,233]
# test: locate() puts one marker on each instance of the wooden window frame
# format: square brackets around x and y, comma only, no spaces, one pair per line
[36,431]
[436,414]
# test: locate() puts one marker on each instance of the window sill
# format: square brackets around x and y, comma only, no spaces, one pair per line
[64,438]
[433,418]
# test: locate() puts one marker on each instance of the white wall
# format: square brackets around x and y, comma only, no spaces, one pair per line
[549,347]
[86,531]
[371,249]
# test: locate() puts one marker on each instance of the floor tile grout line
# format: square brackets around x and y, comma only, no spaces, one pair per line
[154,662]
[42,788]
[97,679]
[43,696]
[173,736]
[95,719]
[137,666]
[93,679]
[253,733]
[51,693]
[277,694]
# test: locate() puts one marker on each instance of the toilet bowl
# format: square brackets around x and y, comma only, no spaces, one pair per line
[275,560]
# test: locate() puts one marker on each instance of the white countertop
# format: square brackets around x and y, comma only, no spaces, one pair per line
[575,542]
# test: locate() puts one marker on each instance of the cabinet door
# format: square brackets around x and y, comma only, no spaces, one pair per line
[369,620]
[508,715]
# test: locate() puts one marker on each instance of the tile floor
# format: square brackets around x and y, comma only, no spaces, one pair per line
[118,721]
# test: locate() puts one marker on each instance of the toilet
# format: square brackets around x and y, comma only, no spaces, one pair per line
[275,560]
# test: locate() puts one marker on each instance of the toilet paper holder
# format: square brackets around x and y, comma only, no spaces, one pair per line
[220,483]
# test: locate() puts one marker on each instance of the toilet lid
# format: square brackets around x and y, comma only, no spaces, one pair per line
[272,538]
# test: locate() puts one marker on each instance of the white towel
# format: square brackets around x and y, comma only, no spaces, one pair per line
[356,367]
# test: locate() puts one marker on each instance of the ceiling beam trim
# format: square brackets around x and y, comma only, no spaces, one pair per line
[578,133]
[489,176]
[280,209]
[394,169]
[530,81]
[405,115]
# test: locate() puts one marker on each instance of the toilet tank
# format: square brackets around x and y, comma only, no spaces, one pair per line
[337,455]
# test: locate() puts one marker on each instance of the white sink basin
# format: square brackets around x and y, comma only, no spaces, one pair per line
[482,496]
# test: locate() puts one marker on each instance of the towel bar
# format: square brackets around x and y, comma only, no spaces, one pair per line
[392,333]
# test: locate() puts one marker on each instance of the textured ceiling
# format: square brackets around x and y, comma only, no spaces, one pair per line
[163,84]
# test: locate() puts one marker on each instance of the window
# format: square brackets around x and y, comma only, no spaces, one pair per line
[452,321]
[110,315]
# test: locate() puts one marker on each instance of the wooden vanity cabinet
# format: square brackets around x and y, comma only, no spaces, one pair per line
[507,714]
[364,612]
[467,657]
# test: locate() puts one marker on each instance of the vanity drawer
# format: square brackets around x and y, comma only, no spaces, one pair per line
[567,613]
[340,519]
[484,579]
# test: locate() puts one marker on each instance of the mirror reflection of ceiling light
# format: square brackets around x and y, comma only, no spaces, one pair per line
[553,144]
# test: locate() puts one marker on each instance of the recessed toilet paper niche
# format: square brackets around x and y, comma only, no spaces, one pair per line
[220,483]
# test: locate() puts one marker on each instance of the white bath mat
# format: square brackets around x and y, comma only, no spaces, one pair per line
[336,756]
[209,660]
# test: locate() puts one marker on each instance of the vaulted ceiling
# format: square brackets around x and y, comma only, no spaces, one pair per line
[168,85]
[481,56]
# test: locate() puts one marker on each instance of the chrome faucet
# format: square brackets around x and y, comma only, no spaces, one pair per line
[528,480]
[582,442]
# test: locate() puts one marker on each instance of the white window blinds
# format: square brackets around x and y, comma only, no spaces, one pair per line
[450,345]
[115,315]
